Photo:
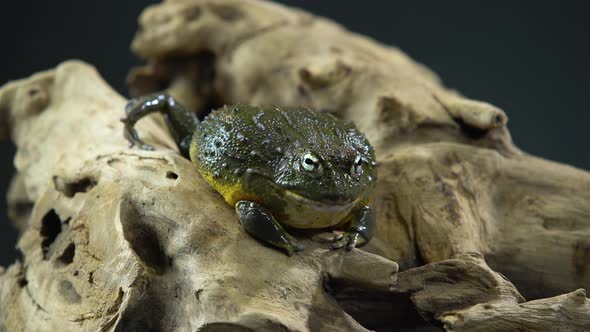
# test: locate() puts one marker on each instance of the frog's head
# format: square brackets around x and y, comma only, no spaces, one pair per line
[334,175]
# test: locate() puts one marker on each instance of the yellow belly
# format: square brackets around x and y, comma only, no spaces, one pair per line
[287,207]
[232,192]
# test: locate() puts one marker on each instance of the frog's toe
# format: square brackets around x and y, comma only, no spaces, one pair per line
[133,138]
[349,240]
[328,237]
[339,244]
[140,144]
[130,105]
[353,241]
[298,247]
[292,248]
[129,137]
[145,146]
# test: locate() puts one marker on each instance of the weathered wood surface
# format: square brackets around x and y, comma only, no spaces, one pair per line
[118,238]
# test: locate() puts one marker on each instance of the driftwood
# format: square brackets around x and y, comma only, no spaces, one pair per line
[115,238]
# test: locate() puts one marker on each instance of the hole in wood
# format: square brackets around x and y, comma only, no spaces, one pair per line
[67,257]
[171,175]
[70,189]
[50,229]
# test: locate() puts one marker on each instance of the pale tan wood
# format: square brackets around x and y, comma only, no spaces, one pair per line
[567,312]
[115,239]
[119,238]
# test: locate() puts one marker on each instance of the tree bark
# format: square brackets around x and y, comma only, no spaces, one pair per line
[115,238]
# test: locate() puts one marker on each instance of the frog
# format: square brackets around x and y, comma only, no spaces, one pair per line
[279,167]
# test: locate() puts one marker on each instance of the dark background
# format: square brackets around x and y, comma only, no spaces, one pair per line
[530,58]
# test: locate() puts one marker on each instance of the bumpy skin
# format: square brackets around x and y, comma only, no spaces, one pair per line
[272,141]
[293,167]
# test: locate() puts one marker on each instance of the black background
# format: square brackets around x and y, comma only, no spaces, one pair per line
[530,58]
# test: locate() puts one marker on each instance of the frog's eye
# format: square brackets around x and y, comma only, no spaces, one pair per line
[311,163]
[356,169]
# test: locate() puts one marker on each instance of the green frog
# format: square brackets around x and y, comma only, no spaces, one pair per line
[278,167]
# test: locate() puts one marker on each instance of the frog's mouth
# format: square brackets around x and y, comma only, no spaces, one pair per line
[302,212]
[299,211]
[328,201]
[266,185]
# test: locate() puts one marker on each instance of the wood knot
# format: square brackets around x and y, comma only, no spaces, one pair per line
[476,114]
[576,298]
[33,98]
[321,74]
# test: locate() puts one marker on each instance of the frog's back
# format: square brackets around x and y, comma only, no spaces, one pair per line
[232,139]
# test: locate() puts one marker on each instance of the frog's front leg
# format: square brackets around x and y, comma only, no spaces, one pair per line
[181,122]
[360,230]
[259,222]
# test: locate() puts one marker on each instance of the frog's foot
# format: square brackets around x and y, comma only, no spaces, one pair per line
[350,240]
[360,230]
[259,222]
[133,114]
[293,247]
[132,136]
[328,237]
